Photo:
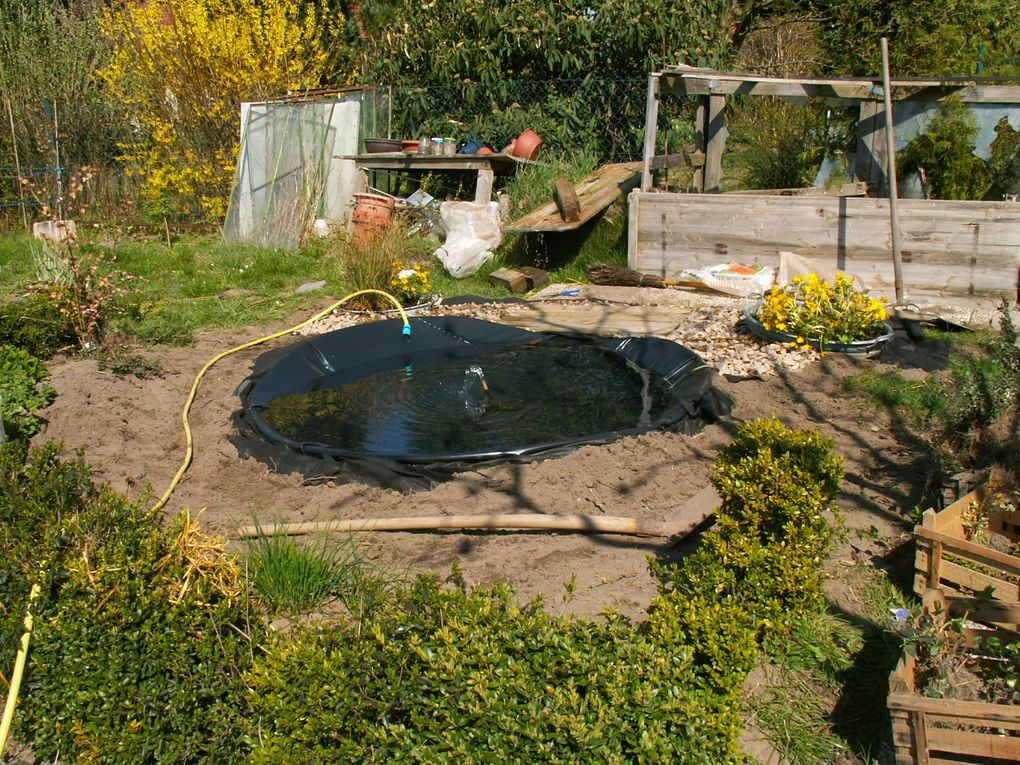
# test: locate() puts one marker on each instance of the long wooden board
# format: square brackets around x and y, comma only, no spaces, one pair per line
[949,248]
[594,194]
[604,320]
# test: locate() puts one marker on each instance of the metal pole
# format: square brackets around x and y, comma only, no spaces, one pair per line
[890,175]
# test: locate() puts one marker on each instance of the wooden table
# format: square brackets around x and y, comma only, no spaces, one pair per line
[487,166]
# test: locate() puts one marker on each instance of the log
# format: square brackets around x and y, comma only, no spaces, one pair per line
[594,524]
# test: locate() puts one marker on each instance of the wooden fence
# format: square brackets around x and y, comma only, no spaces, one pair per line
[949,248]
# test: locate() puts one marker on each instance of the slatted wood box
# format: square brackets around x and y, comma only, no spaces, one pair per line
[929,731]
[977,580]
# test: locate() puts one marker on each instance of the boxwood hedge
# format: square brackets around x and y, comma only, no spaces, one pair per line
[143,652]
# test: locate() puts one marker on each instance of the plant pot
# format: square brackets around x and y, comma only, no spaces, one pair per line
[526,145]
[383,145]
[860,348]
[371,215]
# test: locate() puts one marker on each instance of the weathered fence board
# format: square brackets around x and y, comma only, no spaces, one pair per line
[949,248]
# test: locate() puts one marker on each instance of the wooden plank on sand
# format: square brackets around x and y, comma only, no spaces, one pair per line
[604,320]
[594,194]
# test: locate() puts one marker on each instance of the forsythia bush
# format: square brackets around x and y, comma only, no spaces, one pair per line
[182,69]
[812,309]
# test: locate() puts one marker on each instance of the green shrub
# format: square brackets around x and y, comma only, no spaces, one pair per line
[764,561]
[444,675]
[945,150]
[142,652]
[137,650]
[35,324]
[23,391]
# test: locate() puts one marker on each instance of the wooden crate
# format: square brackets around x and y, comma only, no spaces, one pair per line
[930,731]
[941,537]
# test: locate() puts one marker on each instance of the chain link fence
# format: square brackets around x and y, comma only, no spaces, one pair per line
[604,118]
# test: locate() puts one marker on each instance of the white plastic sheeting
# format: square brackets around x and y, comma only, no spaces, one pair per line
[472,233]
[289,171]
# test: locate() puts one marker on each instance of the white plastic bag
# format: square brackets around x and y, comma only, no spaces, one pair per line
[472,233]
[733,278]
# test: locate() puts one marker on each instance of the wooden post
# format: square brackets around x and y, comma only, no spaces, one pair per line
[699,140]
[483,185]
[715,139]
[870,163]
[651,128]
[890,143]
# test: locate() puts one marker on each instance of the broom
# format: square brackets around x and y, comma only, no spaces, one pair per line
[604,273]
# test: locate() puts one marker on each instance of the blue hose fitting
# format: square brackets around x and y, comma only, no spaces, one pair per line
[407,330]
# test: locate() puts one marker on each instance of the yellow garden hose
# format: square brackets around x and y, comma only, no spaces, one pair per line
[19,670]
[19,663]
[189,449]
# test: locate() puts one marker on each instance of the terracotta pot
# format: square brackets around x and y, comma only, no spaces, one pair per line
[526,145]
[410,145]
[371,215]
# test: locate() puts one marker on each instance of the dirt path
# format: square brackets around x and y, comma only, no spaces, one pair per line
[131,433]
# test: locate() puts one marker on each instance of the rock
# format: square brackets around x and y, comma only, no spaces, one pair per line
[311,286]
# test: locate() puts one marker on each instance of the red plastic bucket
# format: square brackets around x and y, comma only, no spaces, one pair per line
[371,215]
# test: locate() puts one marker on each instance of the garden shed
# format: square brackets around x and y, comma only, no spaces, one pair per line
[962,251]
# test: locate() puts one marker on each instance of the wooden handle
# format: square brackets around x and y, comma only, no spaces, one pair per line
[596,524]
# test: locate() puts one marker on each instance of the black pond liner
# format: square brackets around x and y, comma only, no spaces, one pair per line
[367,393]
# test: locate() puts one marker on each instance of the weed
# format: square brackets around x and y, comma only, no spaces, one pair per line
[793,716]
[129,364]
[86,298]
[34,324]
[293,578]
[368,263]
[23,391]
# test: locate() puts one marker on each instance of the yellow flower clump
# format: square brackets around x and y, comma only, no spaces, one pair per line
[810,309]
[410,284]
[182,68]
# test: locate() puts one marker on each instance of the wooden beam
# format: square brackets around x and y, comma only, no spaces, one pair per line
[700,119]
[594,194]
[715,140]
[651,129]
[693,81]
[683,159]
[853,189]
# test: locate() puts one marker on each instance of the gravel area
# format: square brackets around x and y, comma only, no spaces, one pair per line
[711,328]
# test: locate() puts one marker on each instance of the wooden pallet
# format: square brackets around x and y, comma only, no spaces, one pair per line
[929,731]
[946,561]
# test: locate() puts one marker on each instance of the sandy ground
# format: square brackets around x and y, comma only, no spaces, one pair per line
[130,431]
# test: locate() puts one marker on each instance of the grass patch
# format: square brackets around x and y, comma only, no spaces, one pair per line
[822,699]
[294,578]
[968,413]
[889,390]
